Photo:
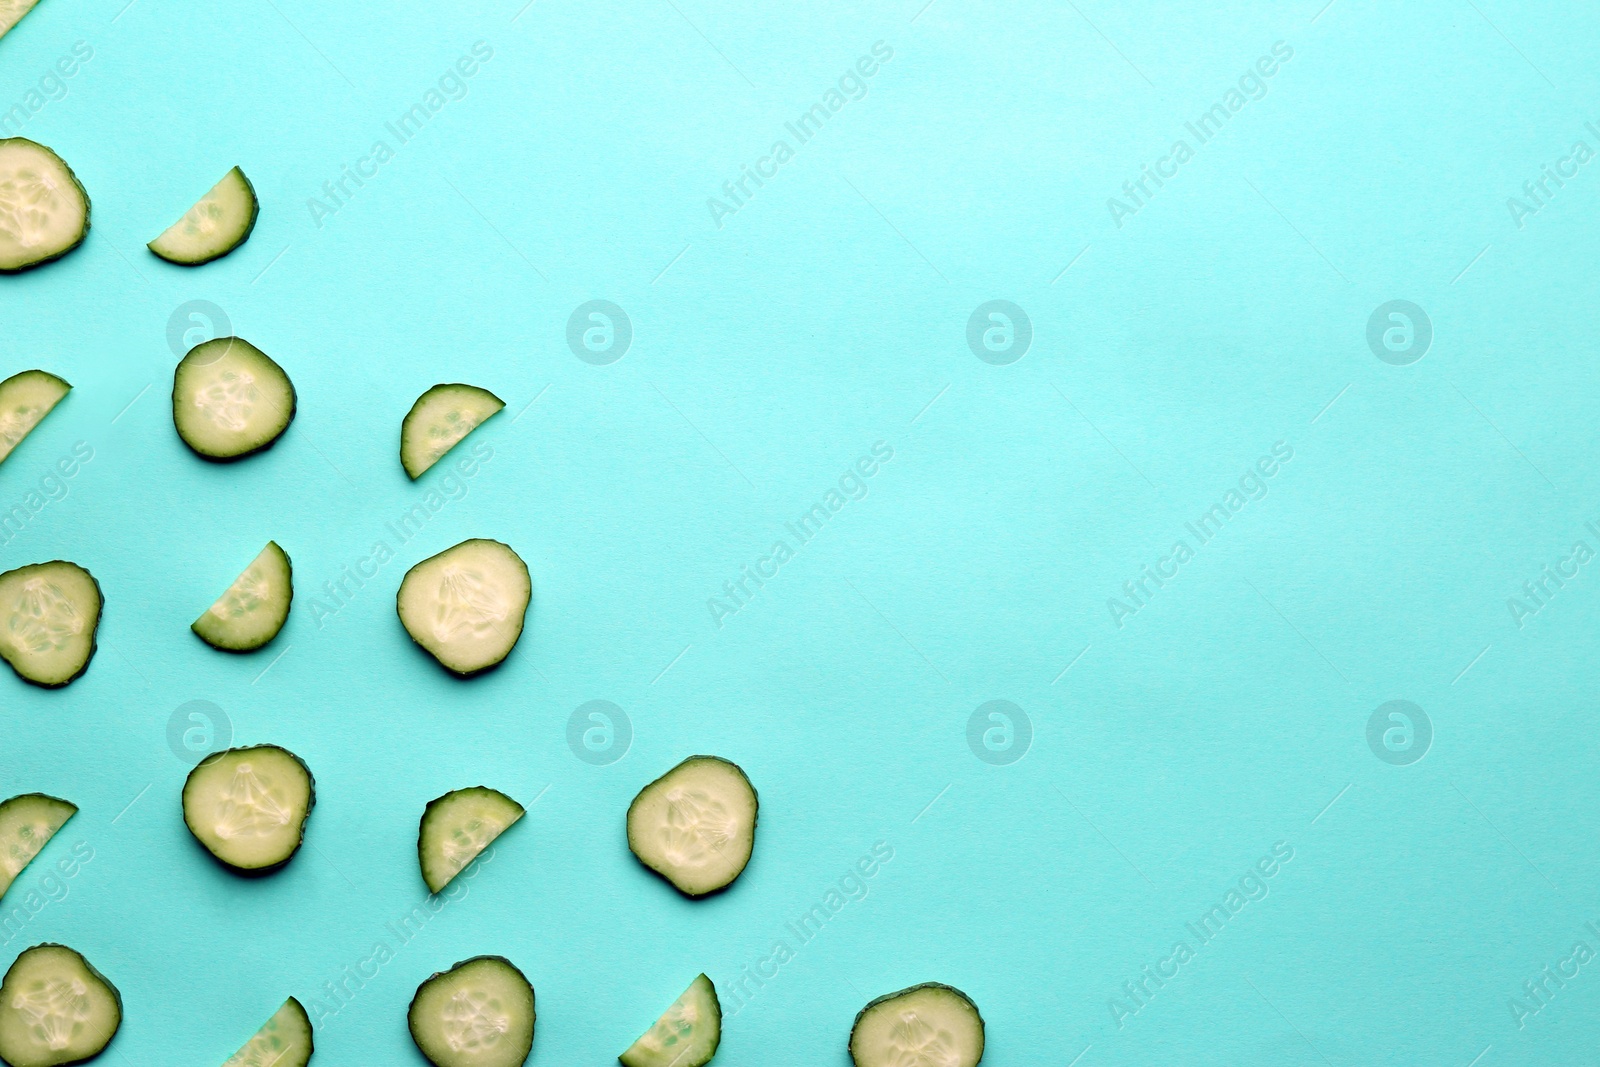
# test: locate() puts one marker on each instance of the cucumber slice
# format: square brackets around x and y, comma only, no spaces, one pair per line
[25,399]
[56,1009]
[467,604]
[479,1013]
[438,421]
[255,606]
[44,212]
[218,224]
[284,1041]
[52,611]
[458,826]
[11,12]
[248,806]
[230,399]
[925,1024]
[27,823]
[686,1035]
[695,826]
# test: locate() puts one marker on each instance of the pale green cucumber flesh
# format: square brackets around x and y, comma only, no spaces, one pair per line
[27,823]
[25,399]
[44,212]
[248,806]
[466,606]
[480,1013]
[220,222]
[283,1041]
[254,608]
[11,12]
[695,826]
[229,399]
[55,1009]
[925,1024]
[438,421]
[457,827]
[686,1035]
[49,614]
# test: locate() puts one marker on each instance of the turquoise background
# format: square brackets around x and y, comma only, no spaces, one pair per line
[829,313]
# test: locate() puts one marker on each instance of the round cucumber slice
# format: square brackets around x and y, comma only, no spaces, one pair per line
[248,806]
[215,226]
[25,399]
[44,212]
[438,421]
[686,1035]
[925,1024]
[27,823]
[479,1013]
[51,613]
[458,826]
[283,1041]
[467,604]
[56,1009]
[695,826]
[230,399]
[255,606]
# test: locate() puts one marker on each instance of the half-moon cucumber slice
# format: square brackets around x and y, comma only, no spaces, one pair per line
[695,826]
[49,613]
[438,421]
[283,1041]
[929,1023]
[11,12]
[215,226]
[230,399]
[255,606]
[56,1009]
[248,806]
[458,826]
[479,1013]
[44,212]
[467,604]
[27,823]
[686,1035]
[25,399]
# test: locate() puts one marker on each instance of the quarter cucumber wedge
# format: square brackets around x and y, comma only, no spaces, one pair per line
[695,826]
[248,806]
[925,1024]
[255,606]
[438,421]
[686,1035]
[479,1013]
[218,224]
[27,823]
[44,212]
[49,613]
[56,1009]
[25,399]
[467,604]
[11,12]
[283,1041]
[230,399]
[458,826]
